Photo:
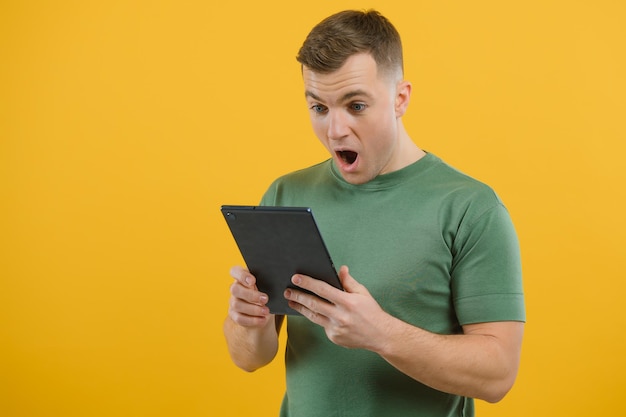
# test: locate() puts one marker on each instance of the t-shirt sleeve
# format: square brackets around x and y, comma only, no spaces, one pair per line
[486,275]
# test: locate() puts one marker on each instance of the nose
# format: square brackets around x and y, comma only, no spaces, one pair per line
[338,126]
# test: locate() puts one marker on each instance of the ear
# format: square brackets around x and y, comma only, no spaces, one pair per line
[403,96]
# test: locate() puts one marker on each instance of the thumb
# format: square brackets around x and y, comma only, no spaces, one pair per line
[350,284]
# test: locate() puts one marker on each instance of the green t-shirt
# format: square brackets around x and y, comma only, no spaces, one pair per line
[434,247]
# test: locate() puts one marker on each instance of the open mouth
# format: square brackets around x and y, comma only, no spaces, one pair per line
[348,156]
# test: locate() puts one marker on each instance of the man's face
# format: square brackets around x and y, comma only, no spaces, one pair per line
[354,112]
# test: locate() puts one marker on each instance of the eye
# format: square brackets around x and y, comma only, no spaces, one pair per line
[318,108]
[358,107]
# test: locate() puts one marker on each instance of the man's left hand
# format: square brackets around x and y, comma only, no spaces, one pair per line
[351,318]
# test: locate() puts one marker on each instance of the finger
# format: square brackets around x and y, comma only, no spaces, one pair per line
[240,306]
[309,310]
[243,276]
[248,320]
[305,303]
[316,286]
[250,295]
[349,283]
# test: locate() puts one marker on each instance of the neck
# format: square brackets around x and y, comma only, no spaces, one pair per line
[409,152]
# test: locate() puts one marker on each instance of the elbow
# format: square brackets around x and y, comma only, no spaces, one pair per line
[245,366]
[496,391]
[494,396]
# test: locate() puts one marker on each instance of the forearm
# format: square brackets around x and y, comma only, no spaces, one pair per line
[251,348]
[477,365]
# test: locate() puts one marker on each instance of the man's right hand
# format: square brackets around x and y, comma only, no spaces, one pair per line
[250,329]
[247,305]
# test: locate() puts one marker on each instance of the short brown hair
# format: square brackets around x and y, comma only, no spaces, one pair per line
[332,41]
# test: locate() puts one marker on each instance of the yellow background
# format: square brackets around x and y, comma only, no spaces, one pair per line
[124,125]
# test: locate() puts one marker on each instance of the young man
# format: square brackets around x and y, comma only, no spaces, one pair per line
[432,313]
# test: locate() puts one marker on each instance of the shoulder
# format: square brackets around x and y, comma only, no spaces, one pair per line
[293,183]
[304,177]
[460,189]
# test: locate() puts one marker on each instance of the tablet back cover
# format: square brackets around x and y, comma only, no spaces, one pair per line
[276,243]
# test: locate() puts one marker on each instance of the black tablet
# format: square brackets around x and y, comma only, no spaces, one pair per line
[276,243]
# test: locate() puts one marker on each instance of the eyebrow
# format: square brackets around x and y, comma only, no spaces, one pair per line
[343,98]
